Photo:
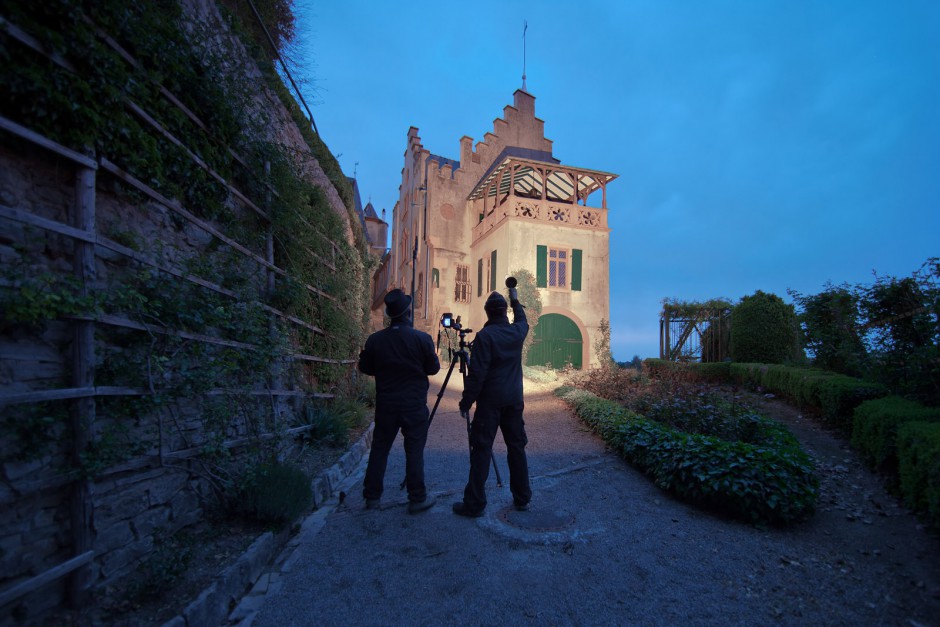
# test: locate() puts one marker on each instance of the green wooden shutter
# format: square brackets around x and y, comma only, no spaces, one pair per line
[479,277]
[575,270]
[541,266]
[493,270]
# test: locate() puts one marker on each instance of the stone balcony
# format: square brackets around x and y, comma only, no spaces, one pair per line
[542,211]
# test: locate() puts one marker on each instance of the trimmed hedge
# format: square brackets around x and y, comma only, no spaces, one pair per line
[712,372]
[771,484]
[835,395]
[875,428]
[919,468]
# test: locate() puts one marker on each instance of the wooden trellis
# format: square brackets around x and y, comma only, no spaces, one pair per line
[692,333]
[88,244]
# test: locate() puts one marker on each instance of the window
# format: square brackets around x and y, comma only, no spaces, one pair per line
[462,285]
[479,277]
[557,267]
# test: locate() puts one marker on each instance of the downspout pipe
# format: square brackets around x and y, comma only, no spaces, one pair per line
[427,254]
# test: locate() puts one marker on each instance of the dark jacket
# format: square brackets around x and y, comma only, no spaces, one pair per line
[400,358]
[495,367]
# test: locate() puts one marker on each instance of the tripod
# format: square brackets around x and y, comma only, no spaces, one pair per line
[460,356]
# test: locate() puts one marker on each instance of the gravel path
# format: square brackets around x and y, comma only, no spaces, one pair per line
[602,545]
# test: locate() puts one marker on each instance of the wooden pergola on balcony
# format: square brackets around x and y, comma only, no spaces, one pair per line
[528,187]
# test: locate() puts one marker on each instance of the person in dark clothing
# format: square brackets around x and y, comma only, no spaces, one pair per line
[494,383]
[400,358]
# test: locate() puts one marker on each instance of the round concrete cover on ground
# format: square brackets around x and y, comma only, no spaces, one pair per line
[537,519]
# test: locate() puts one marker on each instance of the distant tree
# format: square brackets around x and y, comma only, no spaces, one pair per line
[764,329]
[903,324]
[529,296]
[830,325]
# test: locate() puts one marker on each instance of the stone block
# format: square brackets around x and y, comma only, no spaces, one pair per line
[15,470]
[120,506]
[125,559]
[151,520]
[259,554]
[333,478]
[115,536]
[164,489]
[248,606]
[184,501]
[209,608]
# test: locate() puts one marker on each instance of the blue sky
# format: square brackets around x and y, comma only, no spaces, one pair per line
[767,145]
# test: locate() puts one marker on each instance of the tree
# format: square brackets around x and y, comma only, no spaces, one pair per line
[903,325]
[530,298]
[830,325]
[602,345]
[764,329]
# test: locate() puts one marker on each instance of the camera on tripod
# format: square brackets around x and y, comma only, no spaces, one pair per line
[449,322]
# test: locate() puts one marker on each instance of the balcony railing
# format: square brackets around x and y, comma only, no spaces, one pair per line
[545,212]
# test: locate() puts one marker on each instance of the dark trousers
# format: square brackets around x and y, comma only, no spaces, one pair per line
[414,429]
[486,420]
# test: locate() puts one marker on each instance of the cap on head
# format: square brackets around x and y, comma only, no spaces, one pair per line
[397,303]
[495,304]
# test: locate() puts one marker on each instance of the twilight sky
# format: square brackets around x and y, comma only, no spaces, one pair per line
[759,145]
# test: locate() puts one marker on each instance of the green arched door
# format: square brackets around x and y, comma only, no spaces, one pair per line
[557,342]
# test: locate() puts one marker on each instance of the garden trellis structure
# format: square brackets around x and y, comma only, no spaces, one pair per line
[694,332]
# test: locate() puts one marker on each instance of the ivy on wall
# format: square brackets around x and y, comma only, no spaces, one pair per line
[89,97]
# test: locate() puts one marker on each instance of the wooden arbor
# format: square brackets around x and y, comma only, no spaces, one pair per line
[695,331]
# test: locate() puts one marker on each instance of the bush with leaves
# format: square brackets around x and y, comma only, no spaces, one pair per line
[274,493]
[919,468]
[876,424]
[764,329]
[769,483]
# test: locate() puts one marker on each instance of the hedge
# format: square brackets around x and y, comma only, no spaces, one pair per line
[712,372]
[772,484]
[918,447]
[875,429]
[835,395]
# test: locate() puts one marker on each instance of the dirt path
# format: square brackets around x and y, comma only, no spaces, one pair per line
[602,545]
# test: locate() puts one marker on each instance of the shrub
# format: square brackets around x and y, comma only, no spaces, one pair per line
[274,493]
[330,422]
[764,329]
[773,483]
[715,372]
[875,428]
[919,468]
[838,396]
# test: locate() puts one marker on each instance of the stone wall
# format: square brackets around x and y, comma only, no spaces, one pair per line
[137,500]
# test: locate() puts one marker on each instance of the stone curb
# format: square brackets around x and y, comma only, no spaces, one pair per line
[243,584]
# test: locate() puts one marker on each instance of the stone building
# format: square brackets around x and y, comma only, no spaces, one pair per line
[462,226]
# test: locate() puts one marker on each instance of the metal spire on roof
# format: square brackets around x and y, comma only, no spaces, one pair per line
[525,27]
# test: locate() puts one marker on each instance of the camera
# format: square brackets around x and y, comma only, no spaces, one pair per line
[449,322]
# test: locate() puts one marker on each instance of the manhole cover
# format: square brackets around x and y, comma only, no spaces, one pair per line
[537,519]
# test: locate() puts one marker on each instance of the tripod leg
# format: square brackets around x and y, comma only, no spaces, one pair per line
[499,480]
[440,395]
